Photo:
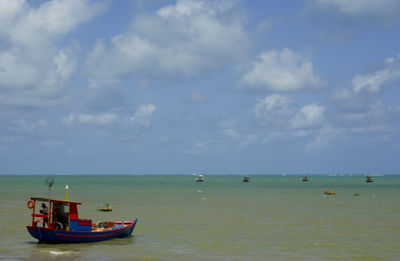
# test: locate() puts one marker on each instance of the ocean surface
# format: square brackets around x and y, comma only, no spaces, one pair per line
[274,217]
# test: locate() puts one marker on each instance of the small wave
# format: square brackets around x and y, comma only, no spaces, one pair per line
[59,253]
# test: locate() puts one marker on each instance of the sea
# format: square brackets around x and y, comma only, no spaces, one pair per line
[273,217]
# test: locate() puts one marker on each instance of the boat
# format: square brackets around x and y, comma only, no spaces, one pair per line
[369,179]
[200,178]
[305,179]
[246,179]
[106,207]
[60,223]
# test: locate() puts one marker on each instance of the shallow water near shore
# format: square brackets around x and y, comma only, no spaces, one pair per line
[273,217]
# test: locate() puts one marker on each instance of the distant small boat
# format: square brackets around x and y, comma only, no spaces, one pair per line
[369,179]
[246,179]
[200,178]
[329,192]
[105,207]
[305,179]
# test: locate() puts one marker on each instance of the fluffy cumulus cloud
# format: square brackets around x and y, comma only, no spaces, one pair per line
[33,68]
[277,111]
[274,109]
[282,71]
[309,116]
[33,27]
[201,35]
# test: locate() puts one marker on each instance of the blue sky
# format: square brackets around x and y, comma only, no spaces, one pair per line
[214,87]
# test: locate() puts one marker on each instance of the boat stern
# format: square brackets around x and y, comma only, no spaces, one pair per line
[33,231]
[41,233]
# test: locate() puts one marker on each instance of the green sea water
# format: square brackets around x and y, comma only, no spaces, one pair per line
[273,217]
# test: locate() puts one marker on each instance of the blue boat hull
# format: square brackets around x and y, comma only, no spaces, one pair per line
[47,235]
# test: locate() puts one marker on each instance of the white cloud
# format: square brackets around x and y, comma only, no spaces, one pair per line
[14,71]
[309,116]
[360,106]
[185,38]
[64,64]
[282,119]
[373,82]
[372,113]
[33,27]
[8,10]
[274,110]
[33,69]
[181,9]
[97,119]
[282,71]
[277,111]
[102,119]
[143,115]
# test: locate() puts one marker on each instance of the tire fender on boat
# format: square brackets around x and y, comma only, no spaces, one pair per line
[30,203]
[58,225]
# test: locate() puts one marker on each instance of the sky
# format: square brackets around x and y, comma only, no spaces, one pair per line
[211,87]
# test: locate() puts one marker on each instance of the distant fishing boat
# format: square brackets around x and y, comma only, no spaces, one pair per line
[200,178]
[305,179]
[246,179]
[105,207]
[369,179]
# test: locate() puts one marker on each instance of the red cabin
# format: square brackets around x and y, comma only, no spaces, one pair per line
[62,215]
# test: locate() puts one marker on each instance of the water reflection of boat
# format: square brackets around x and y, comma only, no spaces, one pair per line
[200,178]
[105,207]
[369,179]
[61,224]
[246,179]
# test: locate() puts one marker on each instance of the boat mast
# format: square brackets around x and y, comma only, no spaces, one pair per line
[49,182]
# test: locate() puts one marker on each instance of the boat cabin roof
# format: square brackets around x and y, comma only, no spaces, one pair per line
[55,200]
